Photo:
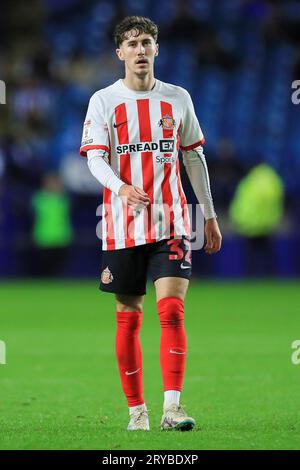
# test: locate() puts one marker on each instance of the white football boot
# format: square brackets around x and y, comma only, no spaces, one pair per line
[175,418]
[139,420]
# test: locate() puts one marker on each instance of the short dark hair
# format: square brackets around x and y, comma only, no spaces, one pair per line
[138,23]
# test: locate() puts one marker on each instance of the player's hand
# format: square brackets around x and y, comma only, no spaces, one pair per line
[134,197]
[213,237]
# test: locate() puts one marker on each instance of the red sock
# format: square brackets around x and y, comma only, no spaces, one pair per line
[172,342]
[129,356]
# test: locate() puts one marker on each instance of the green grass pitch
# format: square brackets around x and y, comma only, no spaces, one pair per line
[60,387]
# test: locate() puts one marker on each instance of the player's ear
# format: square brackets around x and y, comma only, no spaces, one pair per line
[120,54]
[157,48]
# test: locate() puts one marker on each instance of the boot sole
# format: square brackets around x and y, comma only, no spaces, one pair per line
[186,425]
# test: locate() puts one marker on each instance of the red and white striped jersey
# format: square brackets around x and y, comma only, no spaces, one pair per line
[142,133]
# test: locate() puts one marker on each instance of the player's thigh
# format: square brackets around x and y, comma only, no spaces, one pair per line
[129,303]
[170,266]
[124,272]
[171,287]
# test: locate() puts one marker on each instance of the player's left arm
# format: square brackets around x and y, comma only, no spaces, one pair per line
[196,168]
[191,141]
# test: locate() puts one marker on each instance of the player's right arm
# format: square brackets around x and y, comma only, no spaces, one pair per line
[95,146]
[132,196]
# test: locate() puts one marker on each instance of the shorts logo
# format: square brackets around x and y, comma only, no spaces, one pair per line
[167,122]
[184,267]
[106,276]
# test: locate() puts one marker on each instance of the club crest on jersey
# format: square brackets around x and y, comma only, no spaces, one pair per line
[106,276]
[167,122]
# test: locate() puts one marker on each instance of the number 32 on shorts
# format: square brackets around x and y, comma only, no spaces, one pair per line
[180,253]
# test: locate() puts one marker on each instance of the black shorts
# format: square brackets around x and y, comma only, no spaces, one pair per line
[125,271]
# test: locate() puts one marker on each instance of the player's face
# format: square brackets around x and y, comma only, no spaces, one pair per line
[138,52]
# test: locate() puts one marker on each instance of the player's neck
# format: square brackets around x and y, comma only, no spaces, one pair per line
[135,83]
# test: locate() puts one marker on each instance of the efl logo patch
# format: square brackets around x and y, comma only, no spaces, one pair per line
[87,129]
[166,145]
[106,276]
[167,122]
[87,142]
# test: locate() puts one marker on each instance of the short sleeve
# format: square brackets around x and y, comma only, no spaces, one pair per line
[95,131]
[190,132]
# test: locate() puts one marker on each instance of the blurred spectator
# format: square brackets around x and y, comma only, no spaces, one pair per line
[211,52]
[256,212]
[273,27]
[33,97]
[52,232]
[185,26]
[226,172]
[120,13]
[296,66]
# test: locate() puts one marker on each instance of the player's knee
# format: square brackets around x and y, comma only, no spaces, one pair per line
[169,287]
[171,312]
[128,308]
[129,323]
[129,303]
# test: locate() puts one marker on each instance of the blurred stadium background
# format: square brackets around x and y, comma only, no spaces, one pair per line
[238,59]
